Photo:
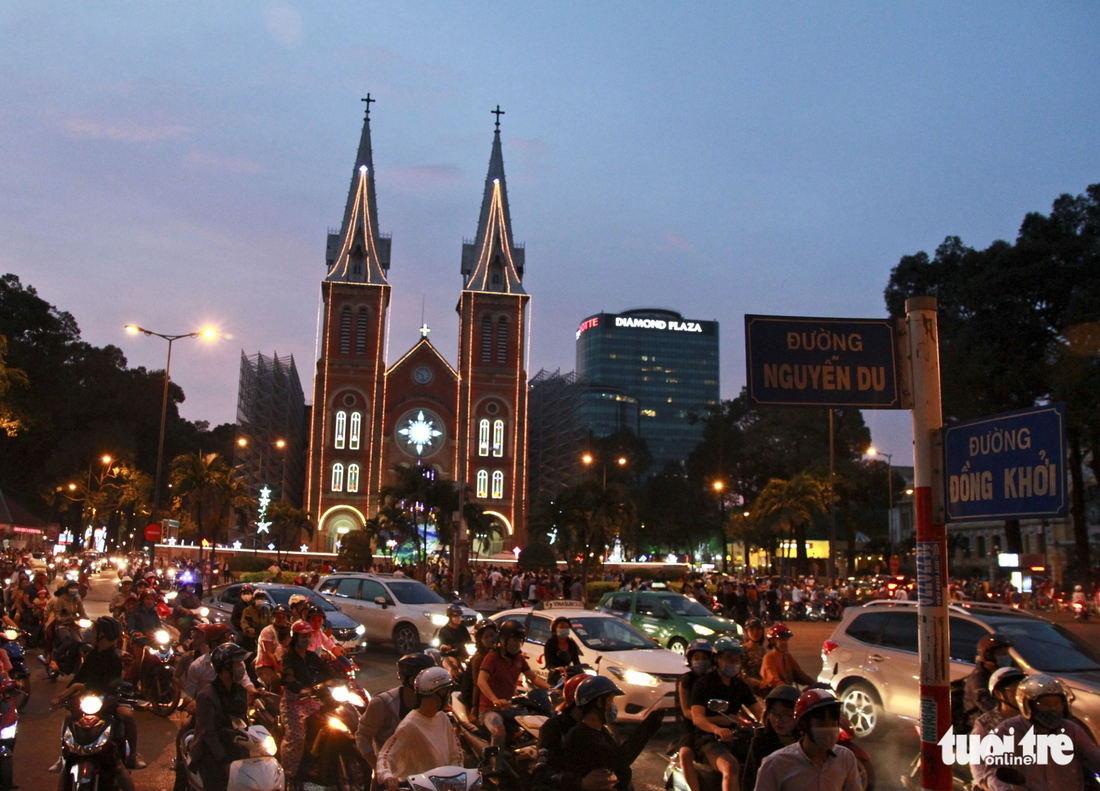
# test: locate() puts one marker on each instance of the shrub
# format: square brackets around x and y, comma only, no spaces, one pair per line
[537,555]
[596,590]
[284,577]
[245,563]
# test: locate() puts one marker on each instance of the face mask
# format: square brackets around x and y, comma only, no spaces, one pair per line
[825,736]
[1047,720]
[700,666]
[246,597]
[562,632]
[304,641]
[264,605]
[611,714]
[729,671]
[508,649]
[1005,661]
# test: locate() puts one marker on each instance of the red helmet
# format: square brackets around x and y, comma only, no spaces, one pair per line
[778,630]
[301,627]
[213,632]
[569,690]
[814,700]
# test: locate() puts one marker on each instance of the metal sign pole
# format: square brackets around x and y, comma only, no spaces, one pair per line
[935,681]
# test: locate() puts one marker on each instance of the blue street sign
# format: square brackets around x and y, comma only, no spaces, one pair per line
[822,362]
[1007,466]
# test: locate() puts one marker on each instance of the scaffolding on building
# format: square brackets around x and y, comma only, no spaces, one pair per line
[556,436]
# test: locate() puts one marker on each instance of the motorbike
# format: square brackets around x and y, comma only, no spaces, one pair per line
[9,723]
[151,672]
[523,744]
[832,610]
[9,643]
[331,757]
[92,744]
[1080,611]
[457,778]
[70,643]
[260,771]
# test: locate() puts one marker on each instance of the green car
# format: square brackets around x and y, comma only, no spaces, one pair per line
[672,619]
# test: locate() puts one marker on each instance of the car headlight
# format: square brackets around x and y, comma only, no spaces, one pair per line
[360,630]
[162,636]
[702,630]
[91,704]
[8,732]
[338,724]
[437,619]
[639,679]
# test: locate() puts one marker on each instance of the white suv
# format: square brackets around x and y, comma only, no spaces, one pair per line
[392,609]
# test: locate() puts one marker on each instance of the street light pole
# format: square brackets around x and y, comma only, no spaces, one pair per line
[889,499]
[133,329]
[719,486]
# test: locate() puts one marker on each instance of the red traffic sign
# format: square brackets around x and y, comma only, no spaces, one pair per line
[152,533]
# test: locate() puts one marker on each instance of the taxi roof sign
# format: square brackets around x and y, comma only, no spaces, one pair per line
[559,604]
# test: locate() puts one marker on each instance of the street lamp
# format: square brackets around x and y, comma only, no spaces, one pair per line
[890,497]
[209,333]
[719,489]
[589,460]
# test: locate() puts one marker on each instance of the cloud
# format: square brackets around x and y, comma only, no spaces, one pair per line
[677,241]
[284,24]
[528,145]
[421,176]
[123,132]
[199,160]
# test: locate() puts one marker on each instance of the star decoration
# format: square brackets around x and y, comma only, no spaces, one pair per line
[420,433]
[304,547]
[271,546]
[262,527]
[237,545]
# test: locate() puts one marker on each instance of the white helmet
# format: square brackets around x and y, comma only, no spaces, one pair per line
[1036,687]
[432,680]
[1077,588]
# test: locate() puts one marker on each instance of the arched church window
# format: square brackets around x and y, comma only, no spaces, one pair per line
[353,433]
[337,477]
[361,331]
[498,485]
[487,339]
[482,483]
[345,330]
[341,428]
[498,438]
[495,271]
[483,438]
[502,341]
[353,477]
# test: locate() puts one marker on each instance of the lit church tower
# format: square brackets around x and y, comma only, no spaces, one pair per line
[492,397]
[348,392]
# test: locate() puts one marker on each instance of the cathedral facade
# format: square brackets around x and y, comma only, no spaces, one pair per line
[466,422]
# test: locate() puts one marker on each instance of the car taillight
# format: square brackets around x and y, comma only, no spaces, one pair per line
[828,647]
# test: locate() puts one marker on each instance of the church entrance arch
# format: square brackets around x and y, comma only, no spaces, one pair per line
[339,521]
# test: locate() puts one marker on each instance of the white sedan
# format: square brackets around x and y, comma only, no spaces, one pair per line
[644,671]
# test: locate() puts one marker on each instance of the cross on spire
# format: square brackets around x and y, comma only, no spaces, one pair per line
[497,112]
[368,100]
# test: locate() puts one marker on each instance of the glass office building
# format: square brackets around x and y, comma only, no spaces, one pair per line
[665,363]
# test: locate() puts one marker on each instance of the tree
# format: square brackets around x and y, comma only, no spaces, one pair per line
[357,550]
[537,555]
[672,516]
[206,492]
[416,499]
[287,526]
[481,528]
[588,517]
[10,423]
[792,504]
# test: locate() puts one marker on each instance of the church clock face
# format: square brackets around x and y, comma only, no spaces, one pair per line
[422,375]
[420,433]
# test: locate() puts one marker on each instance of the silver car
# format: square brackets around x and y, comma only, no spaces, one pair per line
[871,659]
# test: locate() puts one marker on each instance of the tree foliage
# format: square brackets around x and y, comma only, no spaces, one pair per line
[789,505]
[207,493]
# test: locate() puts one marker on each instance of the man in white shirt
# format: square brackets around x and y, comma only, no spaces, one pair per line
[814,761]
[425,739]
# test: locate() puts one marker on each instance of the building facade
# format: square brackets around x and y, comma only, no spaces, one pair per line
[665,364]
[467,423]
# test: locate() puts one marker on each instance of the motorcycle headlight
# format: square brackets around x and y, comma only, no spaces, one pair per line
[437,619]
[702,630]
[355,699]
[8,732]
[337,724]
[11,634]
[340,694]
[91,704]
[162,636]
[84,623]
[453,783]
[471,649]
[268,746]
[171,595]
[204,611]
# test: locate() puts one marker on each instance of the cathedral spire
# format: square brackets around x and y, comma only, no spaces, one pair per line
[359,253]
[493,262]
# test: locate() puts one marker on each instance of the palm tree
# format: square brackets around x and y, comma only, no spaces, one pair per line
[480,527]
[287,525]
[792,505]
[206,491]
[589,517]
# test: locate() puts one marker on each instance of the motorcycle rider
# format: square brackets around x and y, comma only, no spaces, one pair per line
[254,618]
[700,658]
[1003,685]
[754,651]
[453,637]
[424,739]
[778,732]
[1044,706]
[239,607]
[101,674]
[217,705]
[779,666]
[497,678]
[713,733]
[321,642]
[485,639]
[593,752]
[63,609]
[272,644]
[302,669]
[992,654]
[812,761]
[118,601]
[561,652]
[387,709]
[552,768]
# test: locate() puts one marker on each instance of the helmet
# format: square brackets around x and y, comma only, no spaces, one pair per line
[302,627]
[814,700]
[727,645]
[558,620]
[213,631]
[481,626]
[313,612]
[410,665]
[1035,687]
[784,694]
[107,628]
[569,689]
[280,609]
[260,594]
[779,631]
[71,585]
[1078,588]
[752,623]
[990,643]
[225,655]
[297,598]
[512,628]
[125,579]
[246,588]
[431,680]
[698,645]
[1005,675]
[594,687]
[453,610]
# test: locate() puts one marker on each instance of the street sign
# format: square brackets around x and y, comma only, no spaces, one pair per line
[1007,466]
[152,533]
[822,362]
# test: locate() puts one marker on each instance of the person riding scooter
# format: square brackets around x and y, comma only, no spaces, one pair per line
[778,732]
[713,732]
[812,761]
[453,637]
[424,739]
[561,652]
[498,677]
[700,658]
[992,654]
[387,709]
[779,667]
[218,704]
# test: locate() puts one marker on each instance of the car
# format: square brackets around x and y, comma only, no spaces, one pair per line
[347,633]
[646,672]
[391,609]
[871,660]
[672,619]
